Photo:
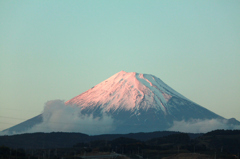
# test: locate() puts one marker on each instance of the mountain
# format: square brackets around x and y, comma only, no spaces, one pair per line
[136,103]
[139,102]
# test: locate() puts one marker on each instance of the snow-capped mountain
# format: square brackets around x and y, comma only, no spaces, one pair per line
[139,102]
[135,102]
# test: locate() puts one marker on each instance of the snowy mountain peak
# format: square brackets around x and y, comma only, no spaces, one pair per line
[127,91]
[130,102]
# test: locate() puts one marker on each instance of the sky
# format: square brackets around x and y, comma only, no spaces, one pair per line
[59,49]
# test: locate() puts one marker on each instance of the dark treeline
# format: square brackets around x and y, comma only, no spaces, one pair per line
[220,143]
[63,140]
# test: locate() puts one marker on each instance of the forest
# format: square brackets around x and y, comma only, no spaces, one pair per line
[223,144]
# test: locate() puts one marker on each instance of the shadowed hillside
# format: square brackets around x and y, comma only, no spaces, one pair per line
[221,144]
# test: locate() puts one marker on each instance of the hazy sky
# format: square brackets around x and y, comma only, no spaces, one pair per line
[59,49]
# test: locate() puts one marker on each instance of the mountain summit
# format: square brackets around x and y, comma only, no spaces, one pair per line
[133,102]
[127,92]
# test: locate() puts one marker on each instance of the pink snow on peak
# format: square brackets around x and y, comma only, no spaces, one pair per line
[126,91]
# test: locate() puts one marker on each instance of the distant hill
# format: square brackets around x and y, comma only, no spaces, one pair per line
[221,140]
[221,144]
[61,139]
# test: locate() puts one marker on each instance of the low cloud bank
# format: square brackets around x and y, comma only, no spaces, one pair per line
[58,117]
[201,126]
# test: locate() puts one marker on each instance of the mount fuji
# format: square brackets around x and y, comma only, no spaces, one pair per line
[136,103]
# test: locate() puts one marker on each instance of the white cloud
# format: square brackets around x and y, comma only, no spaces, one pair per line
[201,126]
[58,117]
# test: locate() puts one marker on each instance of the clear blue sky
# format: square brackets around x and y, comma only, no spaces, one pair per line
[59,49]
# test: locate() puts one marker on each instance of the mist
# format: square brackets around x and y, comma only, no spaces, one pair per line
[58,117]
[201,126]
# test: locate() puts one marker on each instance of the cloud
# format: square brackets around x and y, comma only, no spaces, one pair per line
[58,117]
[201,126]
